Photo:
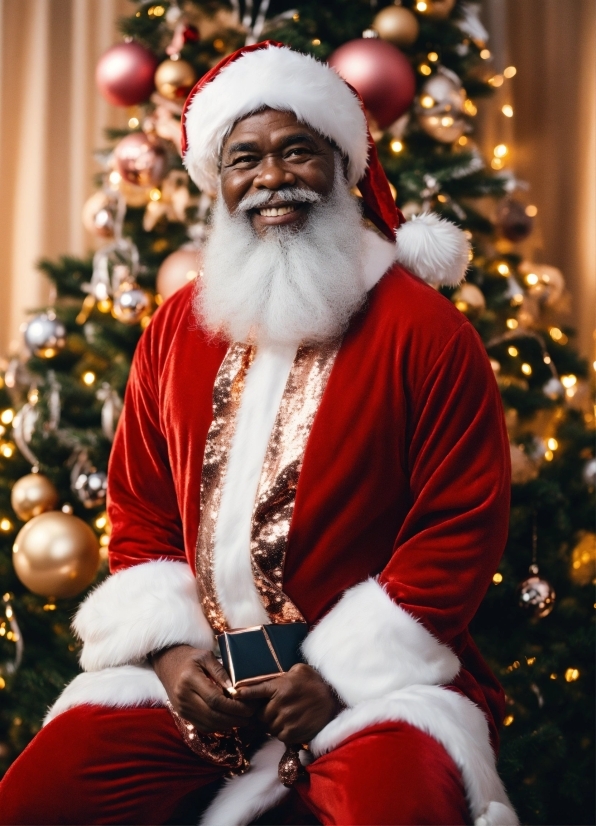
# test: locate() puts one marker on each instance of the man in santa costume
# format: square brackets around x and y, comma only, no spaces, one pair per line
[311,434]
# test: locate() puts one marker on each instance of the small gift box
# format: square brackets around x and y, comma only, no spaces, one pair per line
[251,655]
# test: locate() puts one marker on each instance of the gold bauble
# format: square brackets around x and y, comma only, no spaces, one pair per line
[98,215]
[439,9]
[397,25]
[583,560]
[545,283]
[33,494]
[469,299]
[56,555]
[174,79]
[177,270]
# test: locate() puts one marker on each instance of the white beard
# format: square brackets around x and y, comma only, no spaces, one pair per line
[289,286]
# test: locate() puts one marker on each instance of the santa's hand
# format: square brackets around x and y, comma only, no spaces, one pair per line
[298,704]
[195,681]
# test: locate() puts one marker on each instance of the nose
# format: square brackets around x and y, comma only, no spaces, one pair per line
[272,173]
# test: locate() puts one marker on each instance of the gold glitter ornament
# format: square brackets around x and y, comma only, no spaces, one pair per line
[536,594]
[397,25]
[174,79]
[290,768]
[33,494]
[56,555]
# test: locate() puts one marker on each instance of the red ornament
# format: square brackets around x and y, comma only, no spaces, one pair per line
[513,221]
[124,74]
[381,74]
[141,159]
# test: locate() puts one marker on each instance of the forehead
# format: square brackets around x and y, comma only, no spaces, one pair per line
[270,125]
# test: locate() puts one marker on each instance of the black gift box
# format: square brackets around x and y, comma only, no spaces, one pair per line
[251,655]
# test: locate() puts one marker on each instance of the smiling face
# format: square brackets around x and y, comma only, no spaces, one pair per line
[263,158]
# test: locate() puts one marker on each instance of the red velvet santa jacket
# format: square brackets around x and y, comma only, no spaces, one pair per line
[399,522]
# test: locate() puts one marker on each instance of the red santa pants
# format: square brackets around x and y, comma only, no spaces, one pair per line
[102,765]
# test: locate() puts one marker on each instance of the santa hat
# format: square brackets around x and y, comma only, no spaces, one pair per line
[270,75]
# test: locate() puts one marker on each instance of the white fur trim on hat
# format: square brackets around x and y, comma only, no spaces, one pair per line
[433,248]
[277,78]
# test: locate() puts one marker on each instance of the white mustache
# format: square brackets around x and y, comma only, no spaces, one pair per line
[295,194]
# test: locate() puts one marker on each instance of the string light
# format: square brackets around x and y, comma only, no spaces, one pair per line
[155,194]
[5,525]
[88,378]
[511,323]
[427,101]
[316,42]
[531,211]
[7,449]
[219,45]
[513,351]
[496,163]
[508,720]
[510,72]
[104,540]
[496,81]
[396,146]
[485,54]
[2,683]
[552,444]
[101,521]
[549,455]
[532,278]
[421,5]
[424,69]
[503,269]
[463,140]
[470,108]
[507,110]
[156,11]
[555,334]
[133,123]
[7,416]
[497,578]
[526,369]
[553,676]
[569,381]
[296,17]
[530,660]
[432,56]
[500,150]
[547,359]
[571,675]
[442,198]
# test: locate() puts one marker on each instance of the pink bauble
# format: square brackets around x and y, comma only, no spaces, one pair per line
[125,74]
[381,74]
[177,270]
[141,159]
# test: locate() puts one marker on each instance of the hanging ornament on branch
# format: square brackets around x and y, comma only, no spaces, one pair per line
[183,33]
[131,303]
[100,214]
[29,419]
[87,482]
[141,159]
[125,74]
[381,74]
[173,202]
[11,640]
[33,494]
[56,555]
[544,283]
[110,411]
[177,270]
[174,79]
[45,335]
[535,593]
[106,276]
[440,106]
[513,221]
[397,25]
[469,300]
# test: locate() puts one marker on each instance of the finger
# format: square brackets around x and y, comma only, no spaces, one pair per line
[216,671]
[218,702]
[260,691]
[206,720]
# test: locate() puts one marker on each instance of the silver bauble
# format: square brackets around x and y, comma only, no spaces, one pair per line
[537,595]
[589,473]
[131,304]
[90,487]
[440,107]
[45,335]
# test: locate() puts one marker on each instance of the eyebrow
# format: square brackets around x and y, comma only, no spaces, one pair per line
[252,146]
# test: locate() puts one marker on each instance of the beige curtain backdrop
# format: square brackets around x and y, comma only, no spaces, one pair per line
[52,118]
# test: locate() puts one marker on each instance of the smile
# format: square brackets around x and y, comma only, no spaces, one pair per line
[274,212]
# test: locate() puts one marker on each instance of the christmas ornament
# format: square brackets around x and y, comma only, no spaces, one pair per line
[469,300]
[135,196]
[544,283]
[174,79]
[439,9]
[397,25]
[523,470]
[112,265]
[110,411]
[553,389]
[131,303]
[183,34]
[174,201]
[45,335]
[56,555]
[512,220]
[11,641]
[381,74]
[537,594]
[124,74]
[33,494]
[99,214]
[177,270]
[583,560]
[440,106]
[141,159]
[589,473]
[87,482]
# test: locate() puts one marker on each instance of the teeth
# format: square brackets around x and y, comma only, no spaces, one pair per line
[274,212]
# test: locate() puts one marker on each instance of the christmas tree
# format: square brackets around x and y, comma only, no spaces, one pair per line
[421,68]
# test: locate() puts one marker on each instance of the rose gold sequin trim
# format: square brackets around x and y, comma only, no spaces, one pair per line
[276,493]
[227,392]
[224,749]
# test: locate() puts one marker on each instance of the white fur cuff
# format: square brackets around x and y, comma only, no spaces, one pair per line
[367,646]
[138,610]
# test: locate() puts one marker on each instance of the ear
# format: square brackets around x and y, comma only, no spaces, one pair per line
[433,248]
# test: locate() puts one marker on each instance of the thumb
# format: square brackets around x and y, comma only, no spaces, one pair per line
[216,671]
[260,691]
